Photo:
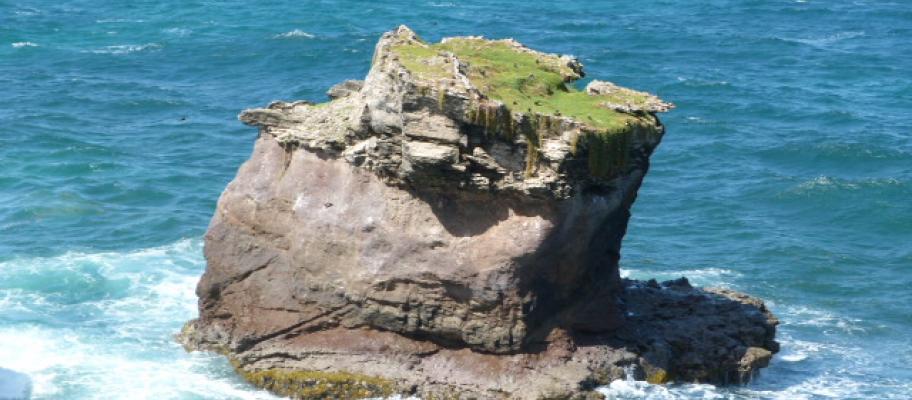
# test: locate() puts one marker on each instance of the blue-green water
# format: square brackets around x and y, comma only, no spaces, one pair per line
[786,171]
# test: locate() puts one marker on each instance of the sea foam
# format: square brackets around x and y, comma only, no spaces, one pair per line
[14,385]
[127,48]
[113,340]
[297,33]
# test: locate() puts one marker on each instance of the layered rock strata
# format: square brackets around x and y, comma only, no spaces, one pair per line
[451,227]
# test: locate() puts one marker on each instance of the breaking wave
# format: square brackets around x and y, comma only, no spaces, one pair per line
[100,325]
[127,48]
[297,33]
[826,40]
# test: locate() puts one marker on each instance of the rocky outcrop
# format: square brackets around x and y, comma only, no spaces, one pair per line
[626,100]
[451,226]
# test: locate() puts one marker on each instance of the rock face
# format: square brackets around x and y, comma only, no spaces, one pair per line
[451,227]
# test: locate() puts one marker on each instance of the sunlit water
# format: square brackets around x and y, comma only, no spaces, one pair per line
[786,171]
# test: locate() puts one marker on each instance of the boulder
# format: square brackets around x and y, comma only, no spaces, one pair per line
[344,89]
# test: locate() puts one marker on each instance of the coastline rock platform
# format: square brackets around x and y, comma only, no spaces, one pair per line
[450,227]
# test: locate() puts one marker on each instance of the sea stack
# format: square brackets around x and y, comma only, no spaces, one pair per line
[451,228]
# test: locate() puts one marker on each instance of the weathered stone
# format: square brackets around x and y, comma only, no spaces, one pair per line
[754,358]
[430,154]
[345,89]
[626,100]
[418,236]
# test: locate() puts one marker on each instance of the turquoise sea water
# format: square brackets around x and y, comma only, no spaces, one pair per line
[786,171]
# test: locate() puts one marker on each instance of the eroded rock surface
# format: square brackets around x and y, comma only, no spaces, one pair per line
[451,227]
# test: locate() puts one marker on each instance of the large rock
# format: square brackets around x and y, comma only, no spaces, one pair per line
[451,227]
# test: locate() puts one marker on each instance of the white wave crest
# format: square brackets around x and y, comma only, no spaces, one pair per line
[825,184]
[833,386]
[796,357]
[804,316]
[297,33]
[823,386]
[178,31]
[27,11]
[127,48]
[632,389]
[798,350]
[62,362]
[710,276]
[700,82]
[110,343]
[828,39]
[118,21]
[24,44]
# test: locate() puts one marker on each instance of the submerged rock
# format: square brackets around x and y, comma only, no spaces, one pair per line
[452,228]
[14,385]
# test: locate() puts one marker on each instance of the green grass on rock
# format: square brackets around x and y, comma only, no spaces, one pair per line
[524,81]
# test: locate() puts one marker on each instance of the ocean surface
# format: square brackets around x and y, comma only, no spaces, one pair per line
[786,171]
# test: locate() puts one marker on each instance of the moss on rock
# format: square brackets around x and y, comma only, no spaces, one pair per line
[298,384]
[607,152]
[518,83]
[657,377]
[523,80]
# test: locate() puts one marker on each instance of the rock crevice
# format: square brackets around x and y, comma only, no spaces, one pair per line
[451,227]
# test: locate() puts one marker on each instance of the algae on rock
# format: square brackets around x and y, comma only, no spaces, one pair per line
[298,384]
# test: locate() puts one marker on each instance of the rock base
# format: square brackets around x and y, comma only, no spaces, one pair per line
[674,333]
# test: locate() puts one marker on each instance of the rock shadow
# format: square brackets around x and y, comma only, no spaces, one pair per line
[466,214]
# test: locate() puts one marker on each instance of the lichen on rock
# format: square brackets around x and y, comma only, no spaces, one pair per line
[451,227]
